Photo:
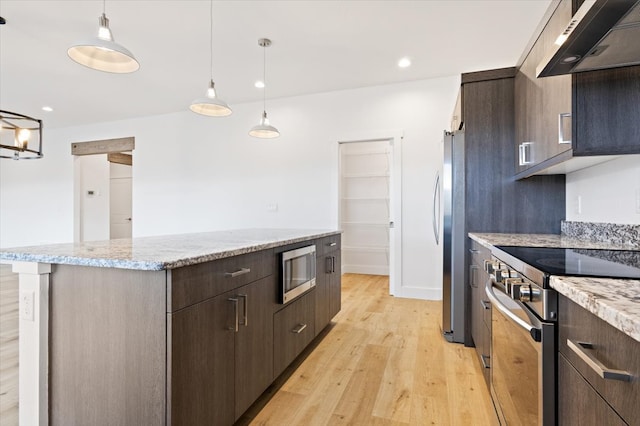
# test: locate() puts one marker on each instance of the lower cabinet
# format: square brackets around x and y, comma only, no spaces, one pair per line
[480,307]
[589,347]
[221,354]
[294,328]
[328,282]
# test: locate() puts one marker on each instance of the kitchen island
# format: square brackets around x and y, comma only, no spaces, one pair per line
[179,329]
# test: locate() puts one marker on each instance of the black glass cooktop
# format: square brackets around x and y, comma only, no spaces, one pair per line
[579,262]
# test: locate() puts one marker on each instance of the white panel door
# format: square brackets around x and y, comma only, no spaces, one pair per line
[120,202]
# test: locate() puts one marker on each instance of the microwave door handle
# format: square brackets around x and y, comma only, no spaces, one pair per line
[436,211]
[536,333]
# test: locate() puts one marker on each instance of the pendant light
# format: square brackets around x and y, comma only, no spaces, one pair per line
[20,136]
[102,53]
[211,105]
[264,130]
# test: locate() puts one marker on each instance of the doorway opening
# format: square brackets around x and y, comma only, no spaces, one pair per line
[103,178]
[370,207]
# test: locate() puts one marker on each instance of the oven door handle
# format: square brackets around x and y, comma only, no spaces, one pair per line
[535,332]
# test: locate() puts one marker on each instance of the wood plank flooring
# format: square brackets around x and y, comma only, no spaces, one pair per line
[8,346]
[383,362]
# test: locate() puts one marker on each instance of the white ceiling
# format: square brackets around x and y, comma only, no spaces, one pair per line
[317,46]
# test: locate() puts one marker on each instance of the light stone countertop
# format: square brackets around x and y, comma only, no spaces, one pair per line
[162,252]
[615,301]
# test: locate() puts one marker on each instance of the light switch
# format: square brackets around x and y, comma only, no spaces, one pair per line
[272,207]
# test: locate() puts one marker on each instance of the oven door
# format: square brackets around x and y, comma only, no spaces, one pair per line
[522,362]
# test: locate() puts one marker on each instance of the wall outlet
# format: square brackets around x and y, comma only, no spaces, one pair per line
[272,207]
[26,305]
[579,204]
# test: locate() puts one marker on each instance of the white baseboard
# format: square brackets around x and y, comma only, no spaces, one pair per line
[366,269]
[419,293]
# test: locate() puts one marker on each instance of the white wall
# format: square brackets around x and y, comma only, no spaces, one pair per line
[194,173]
[609,192]
[92,175]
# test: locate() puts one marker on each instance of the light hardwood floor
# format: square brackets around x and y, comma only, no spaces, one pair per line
[8,346]
[383,362]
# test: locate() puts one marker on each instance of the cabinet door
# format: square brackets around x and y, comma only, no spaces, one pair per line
[335,287]
[254,342]
[323,274]
[201,363]
[578,403]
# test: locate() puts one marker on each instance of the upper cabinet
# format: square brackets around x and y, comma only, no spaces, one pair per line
[563,122]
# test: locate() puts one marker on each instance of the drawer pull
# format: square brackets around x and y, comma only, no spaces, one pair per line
[332,244]
[485,304]
[581,348]
[237,273]
[299,328]
[474,251]
[485,361]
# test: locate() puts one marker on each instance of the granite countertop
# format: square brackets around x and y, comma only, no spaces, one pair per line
[162,252]
[616,301]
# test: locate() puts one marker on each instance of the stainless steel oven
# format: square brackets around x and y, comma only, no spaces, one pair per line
[298,272]
[523,347]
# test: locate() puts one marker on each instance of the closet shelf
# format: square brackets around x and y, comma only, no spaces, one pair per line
[365,198]
[378,249]
[362,154]
[385,224]
[365,175]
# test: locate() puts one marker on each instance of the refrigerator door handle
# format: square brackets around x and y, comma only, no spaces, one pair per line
[436,208]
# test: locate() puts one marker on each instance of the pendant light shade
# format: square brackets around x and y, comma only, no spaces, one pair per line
[211,105]
[264,130]
[102,53]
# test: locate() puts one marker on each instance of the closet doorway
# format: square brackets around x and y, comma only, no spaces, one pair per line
[370,207]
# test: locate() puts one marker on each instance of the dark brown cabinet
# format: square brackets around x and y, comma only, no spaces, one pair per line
[294,328]
[222,354]
[561,118]
[480,306]
[542,105]
[328,288]
[588,344]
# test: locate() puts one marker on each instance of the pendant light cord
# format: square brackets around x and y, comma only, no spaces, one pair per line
[211,38]
[104,7]
[264,78]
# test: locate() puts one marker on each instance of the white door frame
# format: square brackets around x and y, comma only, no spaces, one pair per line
[395,197]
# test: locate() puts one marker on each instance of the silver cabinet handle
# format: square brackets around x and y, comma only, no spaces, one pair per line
[333,264]
[436,212]
[474,251]
[235,308]
[485,304]
[581,348]
[332,244]
[328,264]
[237,273]
[245,319]
[299,328]
[485,361]
[524,151]
[561,137]
[472,276]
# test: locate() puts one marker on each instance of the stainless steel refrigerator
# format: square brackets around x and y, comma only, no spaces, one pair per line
[450,231]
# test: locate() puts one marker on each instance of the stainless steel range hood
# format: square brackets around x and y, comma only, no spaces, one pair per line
[602,34]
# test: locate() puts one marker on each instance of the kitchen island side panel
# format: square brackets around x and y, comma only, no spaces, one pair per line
[108,346]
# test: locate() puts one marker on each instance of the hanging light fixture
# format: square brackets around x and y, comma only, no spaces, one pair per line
[20,136]
[264,130]
[102,52]
[211,105]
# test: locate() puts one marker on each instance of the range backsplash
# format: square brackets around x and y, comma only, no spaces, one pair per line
[628,235]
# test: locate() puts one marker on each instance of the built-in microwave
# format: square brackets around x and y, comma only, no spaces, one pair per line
[298,272]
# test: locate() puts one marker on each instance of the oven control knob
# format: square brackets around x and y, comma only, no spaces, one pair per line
[490,266]
[529,294]
[512,285]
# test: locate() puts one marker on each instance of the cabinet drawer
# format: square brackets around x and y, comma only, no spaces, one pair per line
[611,347]
[479,254]
[195,283]
[327,244]
[578,403]
[293,329]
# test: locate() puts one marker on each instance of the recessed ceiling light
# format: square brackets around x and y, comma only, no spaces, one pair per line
[47,108]
[404,62]
[259,84]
